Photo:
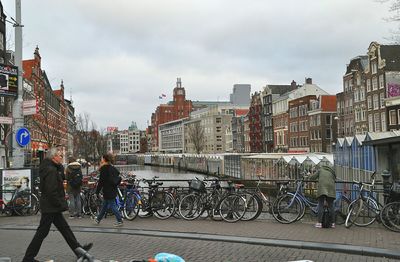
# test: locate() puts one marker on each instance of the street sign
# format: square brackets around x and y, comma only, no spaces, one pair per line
[6,120]
[26,111]
[29,103]
[23,137]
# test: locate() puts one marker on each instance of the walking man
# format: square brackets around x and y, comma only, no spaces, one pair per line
[52,204]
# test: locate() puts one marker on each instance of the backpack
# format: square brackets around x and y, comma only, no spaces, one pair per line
[76,181]
[326,218]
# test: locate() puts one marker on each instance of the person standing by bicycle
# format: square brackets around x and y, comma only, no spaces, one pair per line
[108,183]
[73,175]
[52,204]
[326,191]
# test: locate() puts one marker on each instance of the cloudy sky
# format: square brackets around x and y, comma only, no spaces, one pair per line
[117,57]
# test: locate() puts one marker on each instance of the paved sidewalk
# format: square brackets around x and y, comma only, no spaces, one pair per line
[265,232]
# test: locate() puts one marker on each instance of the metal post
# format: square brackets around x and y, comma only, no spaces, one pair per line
[18,153]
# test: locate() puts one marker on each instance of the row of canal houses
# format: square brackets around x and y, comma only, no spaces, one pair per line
[355,158]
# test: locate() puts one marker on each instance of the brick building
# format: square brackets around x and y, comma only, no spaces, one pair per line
[322,123]
[255,123]
[299,124]
[174,110]
[49,126]
[270,94]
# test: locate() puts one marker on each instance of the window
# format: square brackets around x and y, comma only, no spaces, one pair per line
[328,133]
[374,83]
[392,117]
[374,67]
[377,122]
[362,94]
[369,103]
[356,95]
[376,101]
[328,120]
[368,85]
[370,123]
[381,85]
[382,99]
[383,121]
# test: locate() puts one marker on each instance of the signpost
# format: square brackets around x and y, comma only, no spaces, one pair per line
[23,137]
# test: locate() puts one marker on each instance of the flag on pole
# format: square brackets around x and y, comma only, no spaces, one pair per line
[163,95]
[160,97]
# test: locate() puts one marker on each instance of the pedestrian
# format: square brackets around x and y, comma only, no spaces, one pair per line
[109,187]
[73,175]
[326,191]
[52,204]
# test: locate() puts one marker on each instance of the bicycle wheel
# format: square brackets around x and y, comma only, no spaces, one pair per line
[390,216]
[232,207]
[287,209]
[163,205]
[354,209]
[131,206]
[190,207]
[341,210]
[25,204]
[368,213]
[144,209]
[254,206]
[95,203]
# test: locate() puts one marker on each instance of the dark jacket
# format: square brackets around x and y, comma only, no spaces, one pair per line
[326,181]
[106,183]
[52,198]
[72,171]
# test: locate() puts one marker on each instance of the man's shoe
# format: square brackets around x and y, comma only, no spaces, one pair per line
[118,224]
[71,217]
[333,225]
[88,246]
[318,225]
[95,221]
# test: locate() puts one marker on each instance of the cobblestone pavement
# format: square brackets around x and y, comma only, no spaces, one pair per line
[125,247]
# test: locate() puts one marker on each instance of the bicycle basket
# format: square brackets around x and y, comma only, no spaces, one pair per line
[197,185]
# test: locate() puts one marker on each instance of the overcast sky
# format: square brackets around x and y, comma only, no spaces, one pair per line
[117,57]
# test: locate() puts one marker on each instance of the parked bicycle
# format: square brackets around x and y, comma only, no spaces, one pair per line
[291,207]
[366,209]
[155,202]
[218,205]
[19,202]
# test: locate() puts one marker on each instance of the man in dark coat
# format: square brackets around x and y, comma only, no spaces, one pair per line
[52,204]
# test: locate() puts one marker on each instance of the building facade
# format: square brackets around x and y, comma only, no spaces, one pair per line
[172,137]
[49,126]
[270,94]
[174,110]
[255,123]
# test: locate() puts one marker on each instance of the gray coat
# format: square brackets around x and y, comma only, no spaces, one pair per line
[326,181]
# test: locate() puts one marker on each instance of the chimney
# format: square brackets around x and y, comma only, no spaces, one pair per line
[308,80]
[293,84]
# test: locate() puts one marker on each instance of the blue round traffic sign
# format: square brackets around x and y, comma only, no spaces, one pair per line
[23,137]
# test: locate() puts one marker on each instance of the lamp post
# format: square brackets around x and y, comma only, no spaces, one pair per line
[18,153]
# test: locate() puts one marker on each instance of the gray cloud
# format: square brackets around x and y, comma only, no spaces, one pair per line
[117,57]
